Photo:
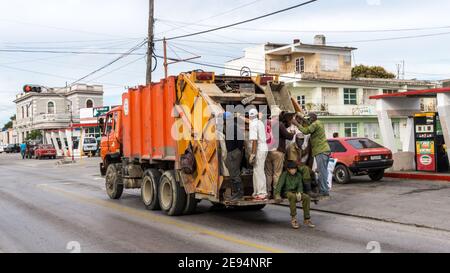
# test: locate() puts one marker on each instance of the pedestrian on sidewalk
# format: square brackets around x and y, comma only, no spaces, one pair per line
[23,149]
[290,186]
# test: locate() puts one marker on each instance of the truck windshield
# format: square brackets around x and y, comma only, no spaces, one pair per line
[363,143]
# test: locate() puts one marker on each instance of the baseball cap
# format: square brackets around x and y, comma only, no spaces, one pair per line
[253,113]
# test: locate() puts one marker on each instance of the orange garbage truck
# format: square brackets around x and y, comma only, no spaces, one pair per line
[164,140]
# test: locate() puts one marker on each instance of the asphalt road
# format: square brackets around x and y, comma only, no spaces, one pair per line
[45,207]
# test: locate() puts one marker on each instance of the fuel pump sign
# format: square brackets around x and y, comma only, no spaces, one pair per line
[429,140]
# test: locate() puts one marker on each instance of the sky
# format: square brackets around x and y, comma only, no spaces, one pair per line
[115,26]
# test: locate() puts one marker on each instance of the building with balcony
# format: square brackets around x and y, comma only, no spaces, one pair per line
[54,110]
[320,78]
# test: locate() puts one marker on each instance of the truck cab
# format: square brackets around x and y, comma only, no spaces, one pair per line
[111,141]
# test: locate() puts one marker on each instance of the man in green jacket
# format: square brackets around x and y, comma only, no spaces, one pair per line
[320,150]
[290,186]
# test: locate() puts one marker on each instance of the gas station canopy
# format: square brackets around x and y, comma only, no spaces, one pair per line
[408,104]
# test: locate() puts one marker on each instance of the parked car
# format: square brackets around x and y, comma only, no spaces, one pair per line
[90,145]
[45,150]
[359,156]
[12,148]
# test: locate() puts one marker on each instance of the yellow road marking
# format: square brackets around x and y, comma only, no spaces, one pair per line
[157,218]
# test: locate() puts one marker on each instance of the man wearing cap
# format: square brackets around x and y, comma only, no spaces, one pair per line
[258,155]
[234,141]
[277,149]
[290,186]
[320,150]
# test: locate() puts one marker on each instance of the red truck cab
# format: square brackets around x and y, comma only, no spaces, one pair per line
[111,143]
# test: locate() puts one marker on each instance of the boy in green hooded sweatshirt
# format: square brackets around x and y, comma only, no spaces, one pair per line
[290,186]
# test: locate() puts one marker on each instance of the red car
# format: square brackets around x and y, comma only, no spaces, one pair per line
[359,156]
[45,150]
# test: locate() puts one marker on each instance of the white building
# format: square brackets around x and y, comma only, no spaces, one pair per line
[320,77]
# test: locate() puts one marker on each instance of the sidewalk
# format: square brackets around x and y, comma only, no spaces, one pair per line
[444,177]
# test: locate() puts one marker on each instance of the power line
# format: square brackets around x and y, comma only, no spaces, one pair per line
[322,30]
[184,24]
[64,52]
[141,44]
[393,38]
[241,22]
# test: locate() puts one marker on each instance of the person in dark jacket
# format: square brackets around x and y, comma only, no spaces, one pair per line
[290,186]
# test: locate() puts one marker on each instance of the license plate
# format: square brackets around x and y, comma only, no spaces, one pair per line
[377,157]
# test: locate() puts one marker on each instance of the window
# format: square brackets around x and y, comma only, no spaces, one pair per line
[28,114]
[329,62]
[367,93]
[390,91]
[351,129]
[331,128]
[23,111]
[396,127]
[371,130]
[300,65]
[350,96]
[363,143]
[348,60]
[89,103]
[330,96]
[302,101]
[336,146]
[50,107]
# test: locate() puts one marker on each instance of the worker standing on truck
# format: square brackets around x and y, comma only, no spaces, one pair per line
[234,141]
[320,150]
[290,186]
[258,155]
[277,149]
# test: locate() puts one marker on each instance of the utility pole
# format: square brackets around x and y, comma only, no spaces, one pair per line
[165,58]
[151,22]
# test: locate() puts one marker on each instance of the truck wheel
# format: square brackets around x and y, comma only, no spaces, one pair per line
[172,197]
[114,184]
[149,189]
[377,176]
[341,174]
[191,204]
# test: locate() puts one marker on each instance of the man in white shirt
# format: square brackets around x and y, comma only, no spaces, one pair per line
[257,136]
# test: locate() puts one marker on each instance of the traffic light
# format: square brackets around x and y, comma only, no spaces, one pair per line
[32,88]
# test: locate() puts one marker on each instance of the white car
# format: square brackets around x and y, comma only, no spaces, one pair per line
[90,145]
[2,148]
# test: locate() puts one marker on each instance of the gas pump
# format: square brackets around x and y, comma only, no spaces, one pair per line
[430,144]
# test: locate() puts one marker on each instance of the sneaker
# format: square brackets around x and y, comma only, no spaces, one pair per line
[294,223]
[309,224]
[261,197]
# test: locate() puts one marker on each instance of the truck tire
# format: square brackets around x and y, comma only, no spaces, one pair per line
[376,176]
[172,197]
[191,204]
[149,189]
[342,174]
[113,181]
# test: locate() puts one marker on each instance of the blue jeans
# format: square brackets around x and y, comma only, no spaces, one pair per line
[322,167]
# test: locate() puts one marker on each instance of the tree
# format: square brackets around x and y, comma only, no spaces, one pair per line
[34,135]
[9,124]
[373,72]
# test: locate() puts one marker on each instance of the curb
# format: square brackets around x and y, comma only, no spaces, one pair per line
[420,176]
